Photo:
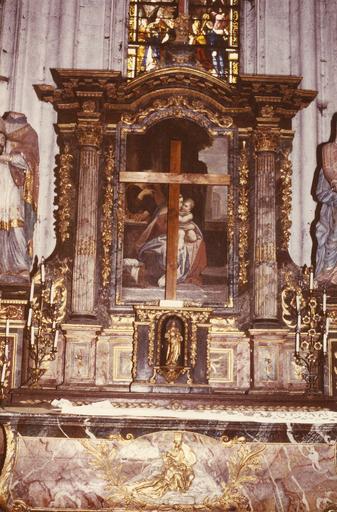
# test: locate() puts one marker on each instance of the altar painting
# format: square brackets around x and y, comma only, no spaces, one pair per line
[201,251]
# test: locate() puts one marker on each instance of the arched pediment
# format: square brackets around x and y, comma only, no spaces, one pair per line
[106,95]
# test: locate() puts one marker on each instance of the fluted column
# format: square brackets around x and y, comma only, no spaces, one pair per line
[265,266]
[83,296]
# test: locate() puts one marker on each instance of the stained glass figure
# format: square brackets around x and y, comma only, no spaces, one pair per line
[209,28]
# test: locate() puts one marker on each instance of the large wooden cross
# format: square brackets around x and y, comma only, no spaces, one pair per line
[173,179]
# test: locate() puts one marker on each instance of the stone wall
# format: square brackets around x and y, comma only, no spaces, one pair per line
[296,37]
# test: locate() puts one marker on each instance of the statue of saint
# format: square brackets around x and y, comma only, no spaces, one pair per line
[19,165]
[174,341]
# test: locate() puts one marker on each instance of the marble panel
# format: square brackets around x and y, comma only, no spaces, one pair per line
[175,469]
[230,361]
[113,364]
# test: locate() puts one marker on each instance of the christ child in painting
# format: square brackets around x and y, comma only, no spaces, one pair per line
[187,230]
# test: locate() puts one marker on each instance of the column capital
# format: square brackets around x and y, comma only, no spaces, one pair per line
[89,134]
[266,140]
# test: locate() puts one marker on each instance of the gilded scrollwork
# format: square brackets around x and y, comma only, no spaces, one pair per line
[179,102]
[285,176]
[13,309]
[134,350]
[107,214]
[243,212]
[8,465]
[59,273]
[288,294]
[174,471]
[66,187]
[242,466]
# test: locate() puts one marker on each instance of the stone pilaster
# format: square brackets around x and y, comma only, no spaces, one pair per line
[83,295]
[265,265]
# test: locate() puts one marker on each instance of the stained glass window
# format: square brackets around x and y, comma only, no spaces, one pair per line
[205,33]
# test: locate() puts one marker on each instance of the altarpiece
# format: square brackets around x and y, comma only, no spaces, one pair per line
[167,292]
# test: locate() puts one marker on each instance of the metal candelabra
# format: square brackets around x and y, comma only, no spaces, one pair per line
[4,362]
[42,327]
[308,307]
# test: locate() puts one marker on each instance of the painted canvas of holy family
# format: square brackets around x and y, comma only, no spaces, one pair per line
[201,244]
[199,223]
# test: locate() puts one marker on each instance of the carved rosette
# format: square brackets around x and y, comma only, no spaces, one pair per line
[243,215]
[286,180]
[66,186]
[107,215]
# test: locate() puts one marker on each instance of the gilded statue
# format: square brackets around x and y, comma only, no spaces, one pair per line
[177,472]
[19,184]
[174,340]
[326,229]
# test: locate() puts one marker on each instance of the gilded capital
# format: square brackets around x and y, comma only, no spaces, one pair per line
[266,140]
[89,134]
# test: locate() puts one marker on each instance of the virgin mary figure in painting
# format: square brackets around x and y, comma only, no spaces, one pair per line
[152,244]
[19,160]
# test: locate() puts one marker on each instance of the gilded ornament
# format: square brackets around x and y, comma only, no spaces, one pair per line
[266,140]
[86,247]
[265,252]
[242,466]
[192,318]
[267,111]
[8,466]
[89,134]
[243,213]
[230,213]
[46,317]
[66,188]
[179,102]
[19,506]
[286,185]
[89,106]
[13,309]
[107,215]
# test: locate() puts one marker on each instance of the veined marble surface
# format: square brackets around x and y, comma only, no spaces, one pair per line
[305,415]
[176,468]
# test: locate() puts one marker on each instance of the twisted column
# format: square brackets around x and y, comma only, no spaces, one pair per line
[83,295]
[265,265]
